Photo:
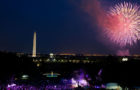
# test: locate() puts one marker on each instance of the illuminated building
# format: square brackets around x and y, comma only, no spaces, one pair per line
[34,45]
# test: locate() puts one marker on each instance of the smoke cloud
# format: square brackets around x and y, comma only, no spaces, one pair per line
[95,10]
[123,53]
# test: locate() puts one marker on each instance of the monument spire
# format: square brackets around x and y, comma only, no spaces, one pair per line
[34,45]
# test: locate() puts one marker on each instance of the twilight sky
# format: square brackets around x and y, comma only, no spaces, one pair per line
[61,26]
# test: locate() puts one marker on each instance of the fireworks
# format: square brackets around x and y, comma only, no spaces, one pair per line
[122,25]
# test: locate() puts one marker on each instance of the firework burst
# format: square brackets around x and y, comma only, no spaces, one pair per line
[122,25]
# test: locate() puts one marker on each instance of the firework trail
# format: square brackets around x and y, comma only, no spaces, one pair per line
[122,24]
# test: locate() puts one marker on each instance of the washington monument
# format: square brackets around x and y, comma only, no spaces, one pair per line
[34,45]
